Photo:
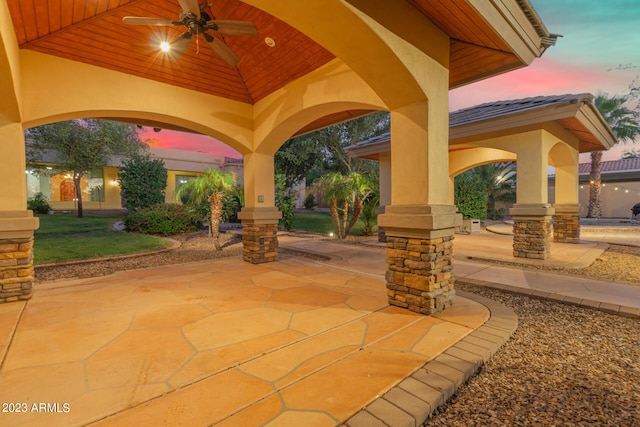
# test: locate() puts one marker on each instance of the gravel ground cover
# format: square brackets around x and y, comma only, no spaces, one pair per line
[564,366]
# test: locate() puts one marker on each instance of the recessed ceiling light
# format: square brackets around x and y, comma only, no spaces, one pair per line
[269,41]
[165,46]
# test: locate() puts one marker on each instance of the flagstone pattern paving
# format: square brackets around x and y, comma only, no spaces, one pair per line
[289,343]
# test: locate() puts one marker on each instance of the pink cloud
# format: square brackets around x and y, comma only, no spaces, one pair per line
[543,77]
[186,141]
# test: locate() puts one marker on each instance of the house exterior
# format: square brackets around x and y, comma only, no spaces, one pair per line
[101,190]
[620,187]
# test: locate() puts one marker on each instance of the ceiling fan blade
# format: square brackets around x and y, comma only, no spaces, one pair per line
[233,28]
[138,20]
[180,44]
[190,6]
[222,50]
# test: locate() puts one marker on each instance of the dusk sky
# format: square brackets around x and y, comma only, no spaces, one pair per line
[599,52]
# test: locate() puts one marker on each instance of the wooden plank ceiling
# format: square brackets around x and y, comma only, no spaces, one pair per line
[92,32]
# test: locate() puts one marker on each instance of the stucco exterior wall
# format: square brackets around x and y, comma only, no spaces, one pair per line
[617,198]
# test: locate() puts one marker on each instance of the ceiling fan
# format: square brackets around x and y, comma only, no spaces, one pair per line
[198,22]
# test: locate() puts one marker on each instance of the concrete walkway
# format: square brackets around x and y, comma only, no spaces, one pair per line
[304,341]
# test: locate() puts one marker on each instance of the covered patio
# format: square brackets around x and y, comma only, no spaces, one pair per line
[534,132]
[312,64]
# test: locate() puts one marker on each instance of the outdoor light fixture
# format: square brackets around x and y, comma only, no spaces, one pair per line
[165,46]
[114,182]
[269,41]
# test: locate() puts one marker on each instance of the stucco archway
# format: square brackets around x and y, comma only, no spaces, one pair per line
[399,57]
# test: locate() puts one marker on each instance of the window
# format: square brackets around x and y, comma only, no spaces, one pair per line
[59,187]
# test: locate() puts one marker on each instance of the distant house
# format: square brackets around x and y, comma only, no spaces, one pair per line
[100,188]
[620,187]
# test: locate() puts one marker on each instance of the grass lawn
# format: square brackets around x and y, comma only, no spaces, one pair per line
[67,237]
[321,222]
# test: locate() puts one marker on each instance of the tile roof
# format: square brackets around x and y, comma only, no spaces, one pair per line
[495,109]
[492,110]
[623,165]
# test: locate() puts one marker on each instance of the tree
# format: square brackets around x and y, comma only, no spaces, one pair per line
[625,125]
[210,187]
[296,158]
[631,154]
[345,194]
[142,181]
[80,146]
[335,138]
[322,151]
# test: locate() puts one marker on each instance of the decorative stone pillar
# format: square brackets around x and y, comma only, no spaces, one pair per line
[419,253]
[531,230]
[566,223]
[16,255]
[259,234]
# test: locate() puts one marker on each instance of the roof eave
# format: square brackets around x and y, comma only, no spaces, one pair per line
[519,26]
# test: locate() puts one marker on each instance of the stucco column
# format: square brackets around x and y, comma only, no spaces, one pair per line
[420,222]
[566,220]
[259,215]
[384,168]
[16,222]
[532,213]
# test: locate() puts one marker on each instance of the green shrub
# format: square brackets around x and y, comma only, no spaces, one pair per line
[39,204]
[164,219]
[310,202]
[285,202]
[470,196]
[496,214]
[369,216]
[142,182]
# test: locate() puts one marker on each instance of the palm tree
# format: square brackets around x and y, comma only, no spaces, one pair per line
[499,181]
[625,125]
[344,194]
[211,187]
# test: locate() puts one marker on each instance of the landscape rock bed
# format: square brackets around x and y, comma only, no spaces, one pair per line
[564,366]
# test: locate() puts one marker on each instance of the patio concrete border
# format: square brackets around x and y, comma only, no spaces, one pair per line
[619,310]
[415,399]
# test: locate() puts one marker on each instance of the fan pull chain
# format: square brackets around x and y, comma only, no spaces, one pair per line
[197,41]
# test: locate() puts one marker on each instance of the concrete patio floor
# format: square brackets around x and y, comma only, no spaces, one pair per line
[296,342]
[288,343]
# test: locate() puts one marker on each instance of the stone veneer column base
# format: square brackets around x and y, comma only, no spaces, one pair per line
[419,270]
[531,231]
[382,235]
[16,255]
[259,234]
[420,274]
[566,223]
